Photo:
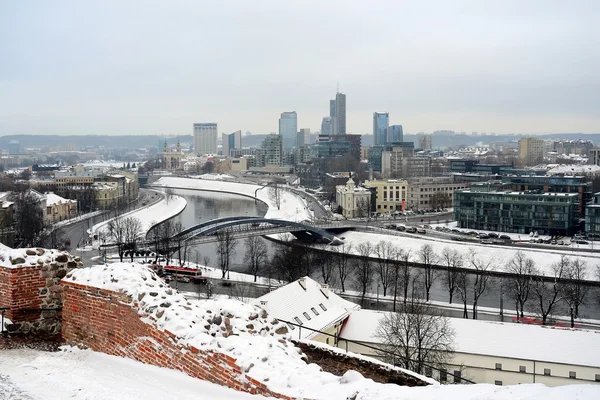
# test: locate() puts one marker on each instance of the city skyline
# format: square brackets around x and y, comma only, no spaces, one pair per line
[512,67]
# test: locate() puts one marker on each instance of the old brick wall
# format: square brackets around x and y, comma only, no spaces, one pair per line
[109,322]
[31,291]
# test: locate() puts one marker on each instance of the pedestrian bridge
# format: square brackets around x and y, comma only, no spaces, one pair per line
[249,226]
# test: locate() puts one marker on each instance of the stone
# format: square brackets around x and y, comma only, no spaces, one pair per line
[43,291]
[62,258]
[227,322]
[217,320]
[282,330]
[141,296]
[153,294]
[72,264]
[249,367]
[18,260]
[253,316]
[49,314]
[263,314]
[160,313]
[30,252]
[165,304]
[13,327]
[250,326]
[61,273]
[40,252]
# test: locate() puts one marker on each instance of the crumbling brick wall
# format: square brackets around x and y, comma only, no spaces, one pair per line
[109,322]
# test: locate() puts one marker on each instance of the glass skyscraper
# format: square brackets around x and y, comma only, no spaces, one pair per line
[381,121]
[395,134]
[288,129]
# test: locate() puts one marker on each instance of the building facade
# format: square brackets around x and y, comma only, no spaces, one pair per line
[271,151]
[531,151]
[172,159]
[391,195]
[288,129]
[395,134]
[232,141]
[326,126]
[303,137]
[432,192]
[340,114]
[426,142]
[355,201]
[205,138]
[592,218]
[381,122]
[392,165]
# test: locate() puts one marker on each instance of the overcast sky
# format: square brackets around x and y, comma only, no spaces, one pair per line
[156,67]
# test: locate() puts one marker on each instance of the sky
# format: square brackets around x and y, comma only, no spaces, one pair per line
[156,67]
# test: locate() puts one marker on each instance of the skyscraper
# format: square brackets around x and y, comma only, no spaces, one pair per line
[303,137]
[340,113]
[232,141]
[288,129]
[381,121]
[395,134]
[531,151]
[326,128]
[426,142]
[205,138]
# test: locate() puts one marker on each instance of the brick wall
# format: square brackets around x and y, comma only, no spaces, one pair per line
[109,322]
[31,291]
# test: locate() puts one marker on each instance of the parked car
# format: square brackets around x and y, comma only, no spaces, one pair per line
[581,241]
[411,229]
[505,237]
[421,230]
[493,235]
[401,228]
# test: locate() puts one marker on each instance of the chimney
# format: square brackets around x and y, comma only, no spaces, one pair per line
[325,289]
[302,282]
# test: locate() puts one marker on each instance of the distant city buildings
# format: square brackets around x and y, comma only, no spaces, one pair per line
[288,129]
[303,137]
[337,115]
[326,126]
[271,151]
[205,138]
[531,151]
[425,142]
[381,122]
[395,134]
[232,141]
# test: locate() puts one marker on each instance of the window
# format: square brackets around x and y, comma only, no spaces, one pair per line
[498,383]
[457,377]
[499,366]
[443,375]
[306,315]
[314,310]
[522,368]
[572,375]
[322,306]
[298,320]
[547,371]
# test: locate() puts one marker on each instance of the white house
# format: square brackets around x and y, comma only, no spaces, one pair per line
[355,201]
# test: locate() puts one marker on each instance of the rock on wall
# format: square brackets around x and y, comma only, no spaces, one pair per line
[30,289]
[109,322]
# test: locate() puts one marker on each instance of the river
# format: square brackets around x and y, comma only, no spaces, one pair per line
[203,206]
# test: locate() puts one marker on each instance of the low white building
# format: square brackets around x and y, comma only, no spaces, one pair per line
[355,201]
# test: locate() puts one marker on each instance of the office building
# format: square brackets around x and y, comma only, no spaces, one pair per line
[381,121]
[326,126]
[375,154]
[425,142]
[205,138]
[340,113]
[288,129]
[432,192]
[336,146]
[391,194]
[594,156]
[303,137]
[271,151]
[592,218]
[531,151]
[232,141]
[395,134]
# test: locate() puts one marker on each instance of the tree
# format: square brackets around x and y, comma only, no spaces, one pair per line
[427,257]
[363,275]
[521,268]
[342,263]
[453,262]
[132,234]
[575,290]
[363,208]
[54,238]
[326,262]
[208,167]
[481,273]
[462,288]
[286,263]
[385,252]
[404,275]
[29,219]
[417,335]
[440,200]
[275,193]
[548,292]
[116,233]
[226,244]
[256,254]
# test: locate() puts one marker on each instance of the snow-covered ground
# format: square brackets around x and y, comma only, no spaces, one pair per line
[292,207]
[152,214]
[86,375]
[499,255]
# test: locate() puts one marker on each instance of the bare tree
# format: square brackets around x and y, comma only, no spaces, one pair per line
[363,275]
[385,252]
[575,290]
[343,264]
[462,288]
[405,257]
[28,218]
[427,257]
[326,262]
[256,254]
[481,276]
[169,195]
[453,262]
[226,244]
[116,232]
[420,335]
[521,268]
[548,292]
[132,234]
[286,263]
[275,193]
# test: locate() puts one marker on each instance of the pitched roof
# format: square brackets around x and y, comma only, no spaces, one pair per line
[294,301]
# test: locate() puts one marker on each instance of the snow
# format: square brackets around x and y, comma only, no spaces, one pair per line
[150,215]
[52,198]
[540,343]
[499,254]
[292,207]
[87,375]
[573,169]
[8,254]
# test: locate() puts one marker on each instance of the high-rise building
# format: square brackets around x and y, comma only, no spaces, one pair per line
[303,137]
[531,151]
[381,121]
[272,150]
[326,127]
[395,134]
[288,129]
[425,141]
[340,113]
[594,156]
[231,141]
[205,138]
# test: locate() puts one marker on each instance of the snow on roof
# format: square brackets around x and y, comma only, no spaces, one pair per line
[266,355]
[571,169]
[306,297]
[52,198]
[521,341]
[14,258]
